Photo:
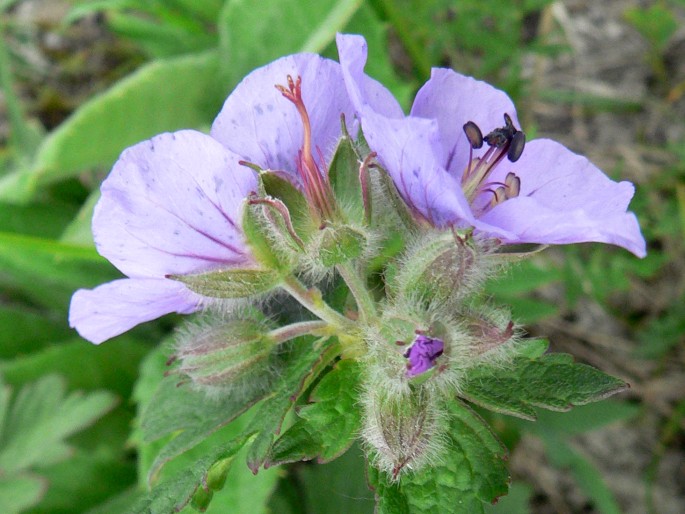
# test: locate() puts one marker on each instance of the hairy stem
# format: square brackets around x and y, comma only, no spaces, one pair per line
[288,332]
[358,288]
[312,300]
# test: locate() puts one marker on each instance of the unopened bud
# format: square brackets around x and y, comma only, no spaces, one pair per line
[339,244]
[439,268]
[223,354]
[489,329]
[402,430]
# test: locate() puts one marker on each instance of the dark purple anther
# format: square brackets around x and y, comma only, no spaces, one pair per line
[473,134]
[518,141]
[422,354]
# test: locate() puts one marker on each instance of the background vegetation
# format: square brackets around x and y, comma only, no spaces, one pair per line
[81,80]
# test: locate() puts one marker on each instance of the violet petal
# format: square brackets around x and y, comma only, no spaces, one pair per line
[564,199]
[115,307]
[454,99]
[362,89]
[172,205]
[406,149]
[265,128]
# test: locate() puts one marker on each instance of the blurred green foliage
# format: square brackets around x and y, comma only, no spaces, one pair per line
[194,53]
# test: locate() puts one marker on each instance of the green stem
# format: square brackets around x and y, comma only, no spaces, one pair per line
[312,300]
[302,328]
[358,288]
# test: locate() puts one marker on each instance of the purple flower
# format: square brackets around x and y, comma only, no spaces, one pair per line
[171,205]
[450,174]
[422,354]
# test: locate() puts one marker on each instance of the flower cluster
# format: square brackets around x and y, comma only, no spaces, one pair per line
[285,189]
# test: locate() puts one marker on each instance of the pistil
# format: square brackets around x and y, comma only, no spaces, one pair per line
[315,183]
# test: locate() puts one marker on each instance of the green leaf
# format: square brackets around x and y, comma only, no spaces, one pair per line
[44,219]
[552,381]
[231,283]
[583,418]
[113,366]
[338,487]
[24,331]
[41,417]
[266,251]
[243,491]
[471,475]
[339,244]
[656,24]
[47,271]
[328,424]
[174,493]
[281,27]
[79,231]
[517,501]
[164,95]
[276,186]
[588,477]
[18,493]
[191,415]
[69,492]
[343,174]
[160,38]
[305,363]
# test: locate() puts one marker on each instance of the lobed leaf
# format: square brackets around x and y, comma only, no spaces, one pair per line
[295,379]
[552,381]
[41,417]
[328,424]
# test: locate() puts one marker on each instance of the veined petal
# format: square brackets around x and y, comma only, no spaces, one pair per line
[266,129]
[563,199]
[115,307]
[362,89]
[453,99]
[172,205]
[406,149]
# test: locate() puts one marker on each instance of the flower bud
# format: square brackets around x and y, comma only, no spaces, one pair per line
[339,244]
[438,268]
[216,355]
[403,431]
[489,328]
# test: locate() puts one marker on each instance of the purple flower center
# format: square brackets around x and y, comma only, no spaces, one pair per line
[315,183]
[504,141]
[422,354]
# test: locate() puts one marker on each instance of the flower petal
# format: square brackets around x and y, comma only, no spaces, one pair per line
[362,89]
[265,128]
[113,308]
[563,199]
[172,205]
[453,99]
[406,149]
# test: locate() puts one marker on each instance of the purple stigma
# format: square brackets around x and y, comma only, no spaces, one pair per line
[422,354]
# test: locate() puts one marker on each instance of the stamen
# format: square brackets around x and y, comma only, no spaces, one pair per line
[512,184]
[518,141]
[473,134]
